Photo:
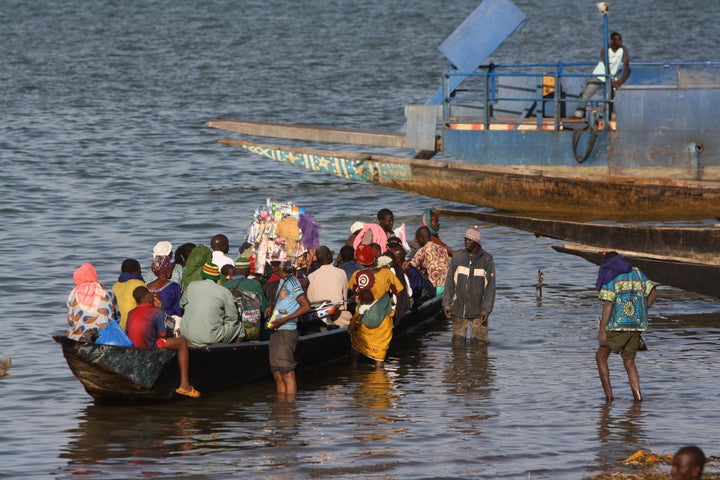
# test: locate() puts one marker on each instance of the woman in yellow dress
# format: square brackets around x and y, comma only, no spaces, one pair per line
[372,323]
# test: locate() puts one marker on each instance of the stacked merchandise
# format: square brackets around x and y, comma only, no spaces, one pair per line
[280,231]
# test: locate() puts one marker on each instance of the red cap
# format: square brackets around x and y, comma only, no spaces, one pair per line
[365,254]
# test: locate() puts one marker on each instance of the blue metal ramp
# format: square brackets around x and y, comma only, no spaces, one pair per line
[482,32]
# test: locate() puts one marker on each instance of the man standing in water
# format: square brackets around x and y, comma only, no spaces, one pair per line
[290,304]
[626,294]
[469,293]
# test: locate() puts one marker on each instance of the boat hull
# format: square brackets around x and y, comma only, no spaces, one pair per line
[125,373]
[534,190]
[692,277]
[683,243]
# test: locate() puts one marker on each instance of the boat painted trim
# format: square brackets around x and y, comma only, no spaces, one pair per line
[544,190]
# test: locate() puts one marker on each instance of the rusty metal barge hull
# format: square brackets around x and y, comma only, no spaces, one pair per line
[521,138]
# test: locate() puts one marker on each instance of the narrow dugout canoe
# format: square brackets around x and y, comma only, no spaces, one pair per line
[125,373]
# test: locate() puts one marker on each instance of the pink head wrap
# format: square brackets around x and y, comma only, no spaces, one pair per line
[87,288]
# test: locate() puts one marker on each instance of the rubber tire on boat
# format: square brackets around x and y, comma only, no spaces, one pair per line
[590,143]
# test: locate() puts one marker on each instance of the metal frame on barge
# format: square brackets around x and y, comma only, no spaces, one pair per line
[521,115]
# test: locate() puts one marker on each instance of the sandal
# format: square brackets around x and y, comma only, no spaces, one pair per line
[192,393]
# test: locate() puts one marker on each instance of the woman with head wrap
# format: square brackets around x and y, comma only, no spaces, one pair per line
[161,249]
[167,291]
[372,324]
[194,264]
[181,257]
[90,305]
[431,220]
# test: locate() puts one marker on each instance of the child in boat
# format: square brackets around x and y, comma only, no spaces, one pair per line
[146,329]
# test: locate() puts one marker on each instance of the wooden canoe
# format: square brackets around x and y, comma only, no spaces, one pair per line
[125,373]
[693,277]
[699,244]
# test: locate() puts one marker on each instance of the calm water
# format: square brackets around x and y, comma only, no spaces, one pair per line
[103,152]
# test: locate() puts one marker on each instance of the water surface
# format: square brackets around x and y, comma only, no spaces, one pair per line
[104,152]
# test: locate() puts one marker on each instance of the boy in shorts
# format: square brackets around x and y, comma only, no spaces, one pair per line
[626,294]
[146,328]
[291,303]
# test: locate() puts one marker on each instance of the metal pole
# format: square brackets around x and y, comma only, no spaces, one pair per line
[608,75]
[487,97]
[556,97]
[446,98]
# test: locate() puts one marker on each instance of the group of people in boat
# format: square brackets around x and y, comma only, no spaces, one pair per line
[191,299]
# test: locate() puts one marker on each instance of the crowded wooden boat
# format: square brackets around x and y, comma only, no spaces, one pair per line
[179,328]
[111,373]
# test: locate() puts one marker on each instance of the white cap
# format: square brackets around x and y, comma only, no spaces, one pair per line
[383,261]
[162,249]
[356,226]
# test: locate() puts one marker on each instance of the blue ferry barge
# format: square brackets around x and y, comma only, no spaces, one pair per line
[505,137]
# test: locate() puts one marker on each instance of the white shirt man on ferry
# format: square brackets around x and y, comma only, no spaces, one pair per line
[617,56]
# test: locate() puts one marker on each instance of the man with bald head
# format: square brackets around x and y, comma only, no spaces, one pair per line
[221,246]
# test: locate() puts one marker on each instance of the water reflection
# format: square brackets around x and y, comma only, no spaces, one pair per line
[281,432]
[282,425]
[469,378]
[375,392]
[132,438]
[469,371]
[121,435]
[620,432]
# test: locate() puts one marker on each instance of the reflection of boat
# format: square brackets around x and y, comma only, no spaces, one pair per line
[508,144]
[693,277]
[109,372]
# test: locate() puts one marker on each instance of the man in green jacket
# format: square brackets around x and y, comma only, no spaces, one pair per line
[210,312]
[469,293]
